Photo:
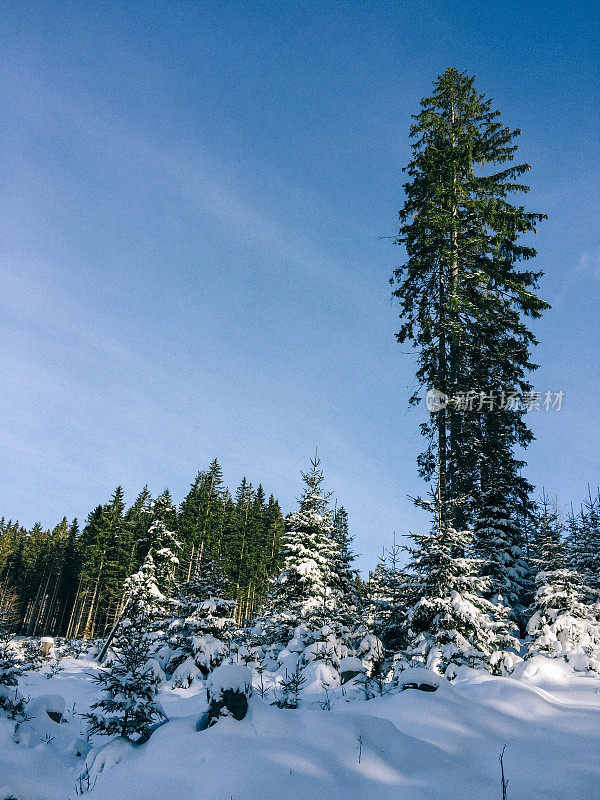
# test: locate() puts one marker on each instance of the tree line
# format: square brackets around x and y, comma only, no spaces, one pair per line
[69,582]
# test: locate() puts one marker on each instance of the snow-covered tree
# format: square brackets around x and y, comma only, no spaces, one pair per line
[345,581]
[565,622]
[141,590]
[547,545]
[200,636]
[453,623]
[498,544]
[307,589]
[583,540]
[306,624]
[164,545]
[127,707]
[565,617]
[390,593]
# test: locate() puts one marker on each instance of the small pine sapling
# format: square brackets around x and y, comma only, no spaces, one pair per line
[290,689]
[127,707]
[260,670]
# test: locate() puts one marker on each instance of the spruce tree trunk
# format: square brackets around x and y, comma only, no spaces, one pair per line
[454,354]
[74,609]
[441,414]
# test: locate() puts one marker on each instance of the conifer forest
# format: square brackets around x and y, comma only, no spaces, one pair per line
[228,644]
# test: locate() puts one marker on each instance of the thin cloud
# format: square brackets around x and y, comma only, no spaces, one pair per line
[589,263]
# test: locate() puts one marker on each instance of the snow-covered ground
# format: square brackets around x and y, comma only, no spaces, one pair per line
[406,744]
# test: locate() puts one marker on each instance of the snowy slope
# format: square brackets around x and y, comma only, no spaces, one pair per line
[410,744]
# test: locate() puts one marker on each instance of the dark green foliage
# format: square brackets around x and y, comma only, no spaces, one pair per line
[462,298]
[547,545]
[583,540]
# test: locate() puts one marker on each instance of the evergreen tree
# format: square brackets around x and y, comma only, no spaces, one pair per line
[128,707]
[583,540]
[137,520]
[345,576]
[201,634]
[11,702]
[564,620]
[390,593]
[453,623]
[163,541]
[462,297]
[68,584]
[307,588]
[274,530]
[141,591]
[200,521]
[497,543]
[547,545]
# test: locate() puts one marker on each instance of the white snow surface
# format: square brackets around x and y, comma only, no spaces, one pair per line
[442,745]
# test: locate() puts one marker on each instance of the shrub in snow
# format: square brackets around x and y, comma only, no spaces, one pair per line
[50,705]
[229,688]
[563,624]
[33,655]
[319,675]
[127,707]
[369,649]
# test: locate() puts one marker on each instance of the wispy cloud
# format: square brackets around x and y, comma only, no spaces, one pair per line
[589,263]
[201,179]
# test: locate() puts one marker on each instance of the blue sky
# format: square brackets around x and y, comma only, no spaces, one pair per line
[192,200]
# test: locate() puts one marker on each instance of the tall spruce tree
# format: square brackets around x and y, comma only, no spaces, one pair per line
[462,297]
[200,522]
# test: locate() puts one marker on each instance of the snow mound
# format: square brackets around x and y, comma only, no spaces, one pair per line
[419,678]
[230,677]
